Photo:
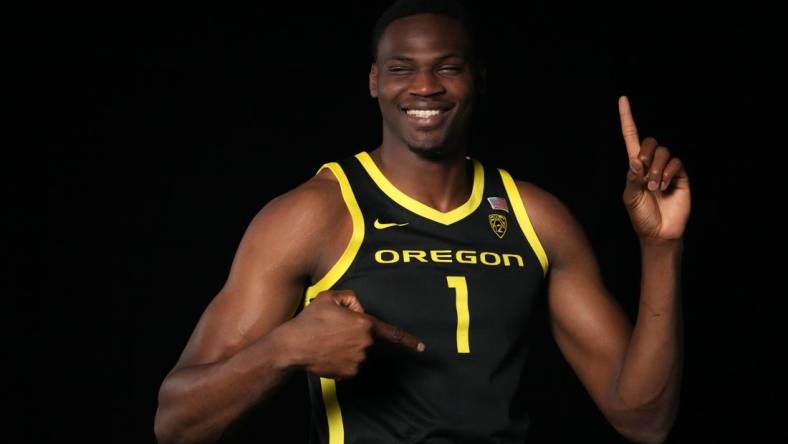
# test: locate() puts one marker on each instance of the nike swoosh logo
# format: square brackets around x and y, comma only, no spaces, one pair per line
[380,225]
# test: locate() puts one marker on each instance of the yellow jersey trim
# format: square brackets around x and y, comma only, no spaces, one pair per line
[445,218]
[336,429]
[522,218]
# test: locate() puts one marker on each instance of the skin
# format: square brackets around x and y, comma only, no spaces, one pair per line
[247,342]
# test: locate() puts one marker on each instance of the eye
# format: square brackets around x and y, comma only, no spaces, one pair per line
[398,69]
[451,69]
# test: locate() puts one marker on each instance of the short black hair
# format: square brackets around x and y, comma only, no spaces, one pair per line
[448,8]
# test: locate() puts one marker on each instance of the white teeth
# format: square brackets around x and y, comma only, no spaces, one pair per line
[423,113]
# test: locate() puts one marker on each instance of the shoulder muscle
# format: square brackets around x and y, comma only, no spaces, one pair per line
[270,270]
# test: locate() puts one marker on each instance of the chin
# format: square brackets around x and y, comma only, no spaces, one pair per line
[440,147]
[429,151]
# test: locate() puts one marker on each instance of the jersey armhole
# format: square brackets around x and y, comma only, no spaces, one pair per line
[335,424]
[343,263]
[523,220]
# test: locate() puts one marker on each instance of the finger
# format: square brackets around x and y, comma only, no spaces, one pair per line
[635,180]
[396,335]
[646,154]
[347,299]
[671,171]
[661,157]
[628,128]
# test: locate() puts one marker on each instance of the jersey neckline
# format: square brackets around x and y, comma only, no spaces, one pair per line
[422,209]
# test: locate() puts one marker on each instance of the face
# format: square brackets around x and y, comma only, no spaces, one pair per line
[424,84]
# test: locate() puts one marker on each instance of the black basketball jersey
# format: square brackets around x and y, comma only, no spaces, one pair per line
[464,282]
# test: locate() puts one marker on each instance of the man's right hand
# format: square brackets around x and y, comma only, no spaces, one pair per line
[330,337]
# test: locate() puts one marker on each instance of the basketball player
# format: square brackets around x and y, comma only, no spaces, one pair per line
[418,268]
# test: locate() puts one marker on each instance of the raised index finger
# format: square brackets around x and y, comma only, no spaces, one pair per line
[628,127]
[396,335]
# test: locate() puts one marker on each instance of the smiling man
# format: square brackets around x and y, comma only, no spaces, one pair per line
[433,122]
[419,278]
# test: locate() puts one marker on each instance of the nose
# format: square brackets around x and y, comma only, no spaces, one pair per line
[426,83]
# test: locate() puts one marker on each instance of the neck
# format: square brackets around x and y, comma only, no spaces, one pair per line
[443,183]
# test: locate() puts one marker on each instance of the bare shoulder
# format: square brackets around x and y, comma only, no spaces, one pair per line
[300,220]
[555,225]
[317,194]
[276,257]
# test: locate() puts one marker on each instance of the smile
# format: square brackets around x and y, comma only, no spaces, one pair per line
[423,113]
[426,118]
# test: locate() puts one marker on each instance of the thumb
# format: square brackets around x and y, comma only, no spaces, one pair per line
[348,299]
[635,180]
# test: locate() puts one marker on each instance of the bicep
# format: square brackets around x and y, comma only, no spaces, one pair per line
[263,290]
[589,326]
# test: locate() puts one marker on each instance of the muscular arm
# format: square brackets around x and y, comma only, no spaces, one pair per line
[238,353]
[632,374]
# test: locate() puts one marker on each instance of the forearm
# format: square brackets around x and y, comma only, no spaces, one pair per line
[199,403]
[650,377]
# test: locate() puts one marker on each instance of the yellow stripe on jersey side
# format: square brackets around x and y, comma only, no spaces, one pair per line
[336,429]
[420,208]
[341,266]
[522,218]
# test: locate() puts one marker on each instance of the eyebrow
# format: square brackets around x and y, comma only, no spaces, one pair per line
[409,59]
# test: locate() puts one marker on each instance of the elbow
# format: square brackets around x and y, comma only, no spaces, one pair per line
[172,426]
[162,434]
[645,433]
[161,425]
[647,437]
[166,426]
[652,430]
[163,428]
[168,432]
[649,424]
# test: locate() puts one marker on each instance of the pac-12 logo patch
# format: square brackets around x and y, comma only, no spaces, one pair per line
[498,224]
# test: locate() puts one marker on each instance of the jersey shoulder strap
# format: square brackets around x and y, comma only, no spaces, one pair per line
[357,237]
[523,220]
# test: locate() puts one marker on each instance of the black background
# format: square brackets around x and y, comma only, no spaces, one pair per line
[158,132]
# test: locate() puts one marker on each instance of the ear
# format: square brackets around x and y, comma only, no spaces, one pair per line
[373,80]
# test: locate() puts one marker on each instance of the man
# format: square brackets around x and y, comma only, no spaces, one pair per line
[418,268]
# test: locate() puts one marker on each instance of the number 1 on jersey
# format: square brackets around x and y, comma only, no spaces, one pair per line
[463,316]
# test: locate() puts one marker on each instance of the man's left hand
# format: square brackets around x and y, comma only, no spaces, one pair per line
[657,193]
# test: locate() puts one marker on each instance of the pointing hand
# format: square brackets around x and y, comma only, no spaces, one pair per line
[332,335]
[657,192]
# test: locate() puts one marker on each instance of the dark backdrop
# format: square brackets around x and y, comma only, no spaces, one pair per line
[166,129]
